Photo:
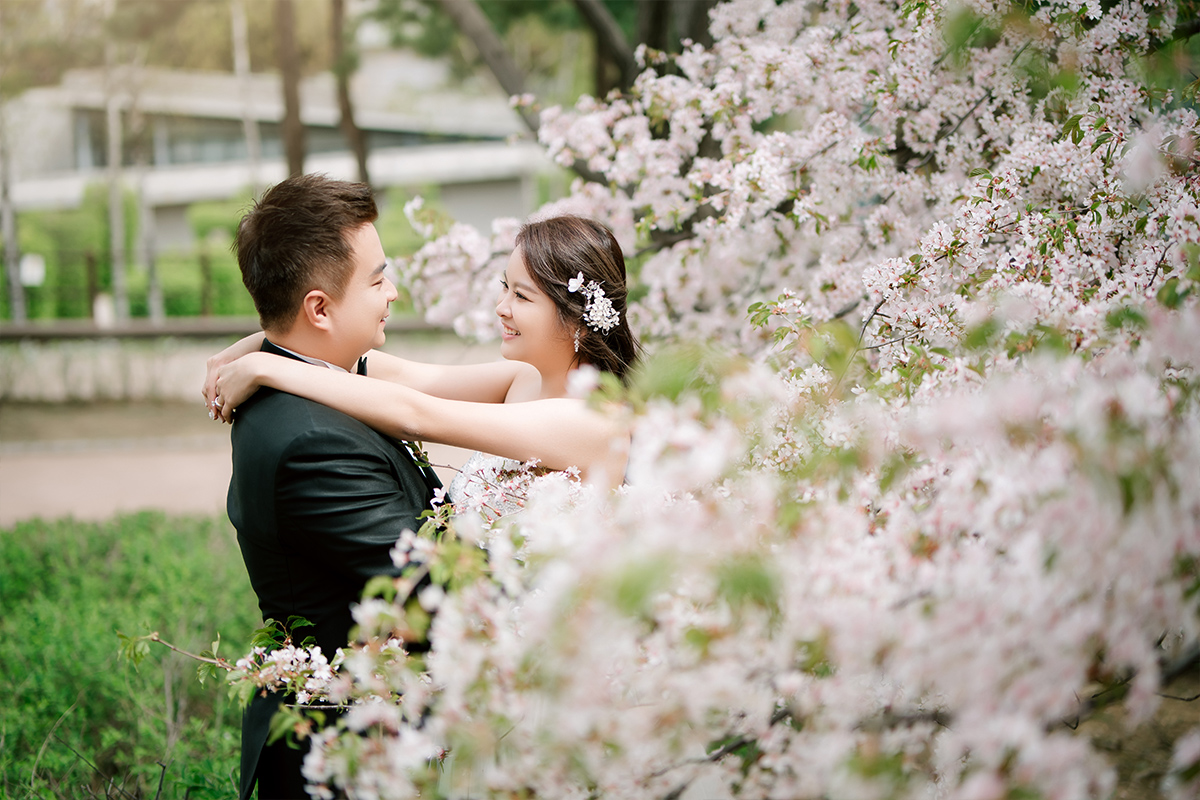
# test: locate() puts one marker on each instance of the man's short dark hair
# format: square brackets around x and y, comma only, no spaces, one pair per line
[295,239]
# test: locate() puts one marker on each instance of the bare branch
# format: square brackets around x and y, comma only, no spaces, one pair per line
[473,24]
[610,37]
[219,662]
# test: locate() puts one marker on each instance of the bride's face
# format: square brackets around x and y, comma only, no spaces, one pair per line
[530,328]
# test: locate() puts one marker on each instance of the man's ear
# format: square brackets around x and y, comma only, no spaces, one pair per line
[315,307]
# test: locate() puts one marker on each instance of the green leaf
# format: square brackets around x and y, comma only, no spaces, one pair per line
[697,638]
[759,313]
[206,671]
[1126,316]
[981,335]
[1170,295]
[417,618]
[1072,129]
[894,468]
[242,692]
[635,585]
[748,581]
[283,725]
[134,649]
[383,586]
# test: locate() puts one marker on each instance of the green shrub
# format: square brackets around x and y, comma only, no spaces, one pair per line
[70,240]
[180,275]
[74,711]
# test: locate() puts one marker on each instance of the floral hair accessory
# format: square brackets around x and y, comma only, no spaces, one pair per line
[598,311]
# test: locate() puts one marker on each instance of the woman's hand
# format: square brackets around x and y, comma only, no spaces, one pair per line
[236,350]
[235,381]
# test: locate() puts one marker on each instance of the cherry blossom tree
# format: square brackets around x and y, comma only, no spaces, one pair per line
[915,474]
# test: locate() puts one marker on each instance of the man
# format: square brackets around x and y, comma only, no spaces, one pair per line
[318,498]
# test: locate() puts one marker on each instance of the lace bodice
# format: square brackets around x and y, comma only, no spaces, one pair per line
[491,485]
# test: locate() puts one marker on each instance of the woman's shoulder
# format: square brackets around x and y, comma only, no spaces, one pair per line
[526,386]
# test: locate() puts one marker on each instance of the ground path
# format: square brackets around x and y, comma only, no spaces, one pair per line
[91,460]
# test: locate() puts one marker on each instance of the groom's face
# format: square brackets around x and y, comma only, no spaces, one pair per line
[359,315]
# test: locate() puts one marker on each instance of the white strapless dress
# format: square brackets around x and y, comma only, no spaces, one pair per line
[492,486]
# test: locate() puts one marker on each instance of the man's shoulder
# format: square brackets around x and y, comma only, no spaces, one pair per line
[279,415]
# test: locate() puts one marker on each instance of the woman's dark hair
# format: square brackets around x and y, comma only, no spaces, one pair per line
[557,250]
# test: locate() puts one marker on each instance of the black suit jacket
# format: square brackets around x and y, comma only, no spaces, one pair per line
[318,500]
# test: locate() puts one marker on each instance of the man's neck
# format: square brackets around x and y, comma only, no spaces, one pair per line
[309,350]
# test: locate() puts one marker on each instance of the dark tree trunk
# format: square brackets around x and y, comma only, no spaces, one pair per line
[343,67]
[613,52]
[472,23]
[654,23]
[289,69]
[693,20]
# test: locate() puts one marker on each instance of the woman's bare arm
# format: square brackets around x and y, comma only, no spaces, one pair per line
[559,433]
[490,382]
[241,347]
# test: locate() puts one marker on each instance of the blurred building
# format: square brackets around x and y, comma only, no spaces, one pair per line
[422,129]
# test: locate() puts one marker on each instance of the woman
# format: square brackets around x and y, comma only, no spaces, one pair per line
[562,305]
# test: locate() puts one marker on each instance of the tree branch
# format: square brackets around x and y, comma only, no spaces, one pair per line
[219,662]
[1184,30]
[473,24]
[610,37]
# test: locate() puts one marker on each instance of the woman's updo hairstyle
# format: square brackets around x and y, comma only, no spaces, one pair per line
[556,250]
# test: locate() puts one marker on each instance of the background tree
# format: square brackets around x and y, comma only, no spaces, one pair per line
[289,70]
[241,67]
[129,28]
[345,62]
[37,44]
[615,65]
[661,25]
[41,40]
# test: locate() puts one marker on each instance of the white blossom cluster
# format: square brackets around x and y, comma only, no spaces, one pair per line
[303,672]
[933,503]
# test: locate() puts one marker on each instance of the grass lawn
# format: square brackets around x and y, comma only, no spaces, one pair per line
[77,720]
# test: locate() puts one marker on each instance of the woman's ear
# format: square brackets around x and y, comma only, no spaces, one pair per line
[316,307]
